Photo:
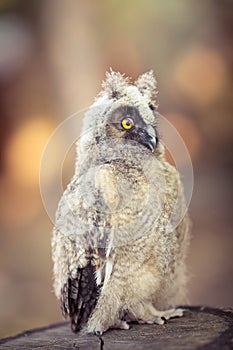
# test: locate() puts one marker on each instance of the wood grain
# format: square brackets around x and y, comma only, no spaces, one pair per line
[202,328]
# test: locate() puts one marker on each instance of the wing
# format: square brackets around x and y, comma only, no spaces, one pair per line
[75,282]
[79,247]
[79,296]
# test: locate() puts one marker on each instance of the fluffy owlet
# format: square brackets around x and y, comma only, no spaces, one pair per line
[121,233]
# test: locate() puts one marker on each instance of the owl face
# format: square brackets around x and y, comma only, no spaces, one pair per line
[126,124]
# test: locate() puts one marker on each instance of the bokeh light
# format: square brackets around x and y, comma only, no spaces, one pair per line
[24,151]
[201,74]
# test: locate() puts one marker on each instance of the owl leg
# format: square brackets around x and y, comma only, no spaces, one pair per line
[106,315]
[149,314]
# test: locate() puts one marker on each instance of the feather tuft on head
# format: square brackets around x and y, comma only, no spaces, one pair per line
[147,85]
[114,84]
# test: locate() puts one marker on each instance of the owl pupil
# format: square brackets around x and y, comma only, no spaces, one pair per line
[128,123]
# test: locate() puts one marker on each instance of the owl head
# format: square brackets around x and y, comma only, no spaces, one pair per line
[124,113]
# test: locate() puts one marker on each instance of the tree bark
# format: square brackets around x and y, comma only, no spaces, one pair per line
[201,328]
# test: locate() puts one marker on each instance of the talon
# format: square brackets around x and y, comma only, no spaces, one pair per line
[164,319]
[98,333]
[159,320]
[178,313]
[121,325]
[124,325]
[172,313]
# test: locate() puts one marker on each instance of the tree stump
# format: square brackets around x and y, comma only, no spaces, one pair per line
[201,328]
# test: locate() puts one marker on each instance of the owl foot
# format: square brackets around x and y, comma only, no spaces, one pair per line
[121,325]
[100,323]
[160,317]
[97,328]
[100,328]
[169,314]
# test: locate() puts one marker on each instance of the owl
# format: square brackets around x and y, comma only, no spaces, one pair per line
[122,230]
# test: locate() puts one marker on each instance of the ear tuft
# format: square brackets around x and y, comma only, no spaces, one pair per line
[147,85]
[114,84]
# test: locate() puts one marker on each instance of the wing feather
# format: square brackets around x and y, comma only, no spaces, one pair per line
[88,251]
[79,296]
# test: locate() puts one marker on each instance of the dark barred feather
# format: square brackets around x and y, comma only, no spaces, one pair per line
[79,297]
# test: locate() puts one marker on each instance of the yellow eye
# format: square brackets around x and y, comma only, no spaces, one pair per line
[127,123]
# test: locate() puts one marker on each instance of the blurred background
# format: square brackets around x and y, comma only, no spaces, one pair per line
[53,57]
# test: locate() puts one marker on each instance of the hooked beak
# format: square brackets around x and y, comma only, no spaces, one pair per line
[147,137]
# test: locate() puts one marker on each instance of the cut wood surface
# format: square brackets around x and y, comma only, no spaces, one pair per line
[201,328]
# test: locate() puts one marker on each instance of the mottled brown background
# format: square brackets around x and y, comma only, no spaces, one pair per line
[53,57]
